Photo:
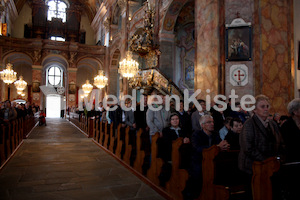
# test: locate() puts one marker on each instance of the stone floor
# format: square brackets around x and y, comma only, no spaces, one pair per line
[58,162]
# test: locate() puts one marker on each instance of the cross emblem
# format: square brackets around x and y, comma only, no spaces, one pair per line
[239,75]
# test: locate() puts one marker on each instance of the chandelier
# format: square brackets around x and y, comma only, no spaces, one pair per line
[128,67]
[20,84]
[8,75]
[142,41]
[100,80]
[87,88]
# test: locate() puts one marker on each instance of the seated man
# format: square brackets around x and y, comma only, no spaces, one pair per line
[202,139]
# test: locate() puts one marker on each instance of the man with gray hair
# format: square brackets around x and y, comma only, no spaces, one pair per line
[202,139]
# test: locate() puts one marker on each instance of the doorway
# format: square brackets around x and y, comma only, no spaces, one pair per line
[53,104]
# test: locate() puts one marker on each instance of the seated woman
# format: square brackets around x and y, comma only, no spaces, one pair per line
[169,134]
[42,118]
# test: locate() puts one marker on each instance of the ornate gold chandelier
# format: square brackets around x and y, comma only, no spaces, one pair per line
[128,67]
[8,75]
[20,84]
[100,80]
[87,88]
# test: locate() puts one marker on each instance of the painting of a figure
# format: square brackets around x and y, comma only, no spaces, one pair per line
[189,73]
[238,43]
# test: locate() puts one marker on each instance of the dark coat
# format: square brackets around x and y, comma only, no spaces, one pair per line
[233,139]
[169,135]
[258,143]
[185,122]
[291,137]
[140,117]
[218,119]
[200,141]
[116,116]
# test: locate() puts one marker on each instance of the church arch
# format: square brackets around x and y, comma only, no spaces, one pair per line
[87,69]
[177,39]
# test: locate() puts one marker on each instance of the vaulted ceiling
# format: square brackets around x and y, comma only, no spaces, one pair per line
[89,6]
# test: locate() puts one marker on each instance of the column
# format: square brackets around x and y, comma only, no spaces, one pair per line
[207,56]
[71,90]
[273,52]
[36,82]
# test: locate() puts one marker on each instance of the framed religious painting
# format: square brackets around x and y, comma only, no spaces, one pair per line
[35,86]
[238,44]
[72,88]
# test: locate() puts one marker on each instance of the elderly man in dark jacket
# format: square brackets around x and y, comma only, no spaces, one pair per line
[202,139]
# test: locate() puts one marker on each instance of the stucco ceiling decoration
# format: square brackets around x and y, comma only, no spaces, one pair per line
[89,6]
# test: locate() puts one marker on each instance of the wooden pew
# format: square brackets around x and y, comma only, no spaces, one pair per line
[96,130]
[102,132]
[108,130]
[3,155]
[214,187]
[20,134]
[178,179]
[121,132]
[91,127]
[140,154]
[261,182]
[112,139]
[156,163]
[128,147]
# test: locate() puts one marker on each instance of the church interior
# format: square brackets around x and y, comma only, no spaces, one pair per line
[80,51]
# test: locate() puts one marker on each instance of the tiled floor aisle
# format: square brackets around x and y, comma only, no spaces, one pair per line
[58,162]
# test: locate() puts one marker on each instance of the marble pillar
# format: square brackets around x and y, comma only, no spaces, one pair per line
[207,57]
[273,52]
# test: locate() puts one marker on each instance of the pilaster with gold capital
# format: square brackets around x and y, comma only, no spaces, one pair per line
[71,91]
[36,94]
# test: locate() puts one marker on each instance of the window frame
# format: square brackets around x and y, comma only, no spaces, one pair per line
[60,76]
[57,11]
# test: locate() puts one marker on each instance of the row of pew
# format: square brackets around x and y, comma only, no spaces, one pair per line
[12,134]
[127,147]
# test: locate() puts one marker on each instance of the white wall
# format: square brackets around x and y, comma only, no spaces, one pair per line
[90,34]
[25,17]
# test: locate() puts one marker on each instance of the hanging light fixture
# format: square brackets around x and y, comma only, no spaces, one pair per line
[8,75]
[100,80]
[87,88]
[20,84]
[128,67]
[19,92]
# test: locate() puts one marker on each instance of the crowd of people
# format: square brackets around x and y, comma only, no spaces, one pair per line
[13,110]
[257,135]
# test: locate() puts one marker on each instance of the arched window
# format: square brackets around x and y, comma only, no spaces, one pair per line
[57,9]
[54,76]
